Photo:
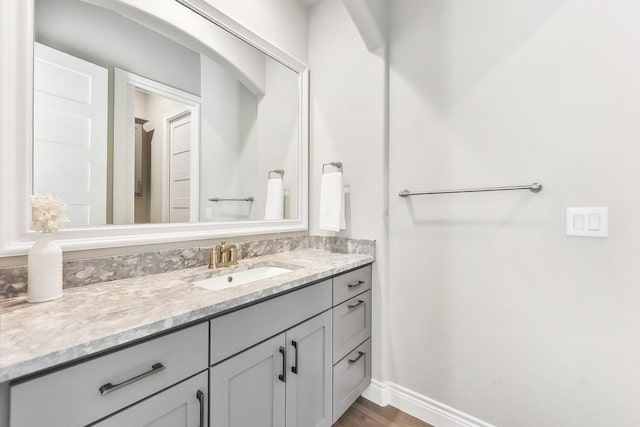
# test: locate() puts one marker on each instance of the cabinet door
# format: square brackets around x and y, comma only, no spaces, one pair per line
[183,405]
[309,380]
[248,390]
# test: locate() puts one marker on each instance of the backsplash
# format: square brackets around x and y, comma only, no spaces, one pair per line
[343,245]
[82,272]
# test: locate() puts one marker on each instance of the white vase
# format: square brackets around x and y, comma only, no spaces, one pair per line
[45,270]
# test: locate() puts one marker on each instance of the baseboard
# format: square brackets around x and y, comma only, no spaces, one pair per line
[426,409]
[377,393]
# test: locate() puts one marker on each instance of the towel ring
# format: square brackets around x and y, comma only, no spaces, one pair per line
[334,164]
[277,171]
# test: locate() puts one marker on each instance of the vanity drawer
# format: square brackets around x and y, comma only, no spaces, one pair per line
[182,404]
[351,324]
[234,332]
[351,284]
[350,377]
[80,394]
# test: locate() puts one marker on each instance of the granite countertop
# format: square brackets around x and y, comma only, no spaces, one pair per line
[94,318]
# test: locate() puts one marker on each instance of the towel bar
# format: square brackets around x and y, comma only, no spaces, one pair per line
[219,199]
[534,188]
[334,164]
[277,171]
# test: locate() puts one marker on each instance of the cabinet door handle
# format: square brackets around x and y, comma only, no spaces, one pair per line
[108,387]
[200,397]
[294,368]
[352,361]
[360,302]
[283,376]
[355,284]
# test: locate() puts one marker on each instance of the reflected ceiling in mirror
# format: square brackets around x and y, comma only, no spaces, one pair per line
[159,116]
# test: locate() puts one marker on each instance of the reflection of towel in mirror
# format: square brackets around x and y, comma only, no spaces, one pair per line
[332,202]
[274,207]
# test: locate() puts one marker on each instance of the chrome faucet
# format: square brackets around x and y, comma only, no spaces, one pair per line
[223,255]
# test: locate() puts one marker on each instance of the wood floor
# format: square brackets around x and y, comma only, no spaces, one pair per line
[364,413]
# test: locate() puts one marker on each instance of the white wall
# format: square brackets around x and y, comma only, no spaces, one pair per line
[278,135]
[180,24]
[110,40]
[281,22]
[227,130]
[348,125]
[244,137]
[493,310]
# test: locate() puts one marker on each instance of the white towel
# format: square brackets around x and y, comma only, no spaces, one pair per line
[274,207]
[332,202]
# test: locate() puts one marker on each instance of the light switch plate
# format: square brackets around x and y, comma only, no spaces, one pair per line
[588,222]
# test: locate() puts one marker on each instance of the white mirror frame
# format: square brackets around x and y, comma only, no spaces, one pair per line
[16,136]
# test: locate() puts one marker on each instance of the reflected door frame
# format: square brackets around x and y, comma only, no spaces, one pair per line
[125,85]
[168,121]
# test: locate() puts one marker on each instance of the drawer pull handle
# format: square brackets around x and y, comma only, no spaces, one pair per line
[355,284]
[108,388]
[283,376]
[200,397]
[352,361]
[360,302]
[294,368]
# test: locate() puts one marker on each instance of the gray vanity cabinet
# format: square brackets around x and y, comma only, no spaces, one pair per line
[309,378]
[297,359]
[183,405]
[284,381]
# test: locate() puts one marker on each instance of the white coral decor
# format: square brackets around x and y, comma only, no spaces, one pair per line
[48,213]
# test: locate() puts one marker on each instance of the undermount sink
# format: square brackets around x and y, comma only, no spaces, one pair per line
[240,278]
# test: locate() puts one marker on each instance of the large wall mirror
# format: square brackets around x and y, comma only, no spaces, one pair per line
[154,118]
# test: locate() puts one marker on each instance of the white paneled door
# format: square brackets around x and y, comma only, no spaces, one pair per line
[180,137]
[70,133]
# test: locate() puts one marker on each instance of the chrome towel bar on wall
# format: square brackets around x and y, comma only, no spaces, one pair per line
[276,171]
[220,199]
[337,165]
[536,187]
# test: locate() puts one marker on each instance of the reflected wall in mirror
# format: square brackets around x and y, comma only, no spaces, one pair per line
[159,116]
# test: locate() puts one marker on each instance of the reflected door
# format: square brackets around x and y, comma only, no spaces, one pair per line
[70,133]
[180,175]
